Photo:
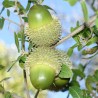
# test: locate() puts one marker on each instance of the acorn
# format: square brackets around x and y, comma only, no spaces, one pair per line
[42,29]
[45,64]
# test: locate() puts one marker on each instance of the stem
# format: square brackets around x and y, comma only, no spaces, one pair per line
[23,49]
[26,84]
[11,21]
[24,71]
[36,95]
[68,95]
[91,23]
[16,1]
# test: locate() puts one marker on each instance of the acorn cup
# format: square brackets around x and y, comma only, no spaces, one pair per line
[42,29]
[45,64]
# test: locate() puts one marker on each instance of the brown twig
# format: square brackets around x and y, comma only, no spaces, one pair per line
[90,23]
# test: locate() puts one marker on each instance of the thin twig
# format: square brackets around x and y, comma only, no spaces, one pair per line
[91,23]
[68,95]
[36,95]
[11,21]
[16,1]
[26,84]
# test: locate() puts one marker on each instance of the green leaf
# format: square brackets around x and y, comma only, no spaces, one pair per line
[25,19]
[8,13]
[21,8]
[2,22]
[78,72]
[79,47]
[92,41]
[2,10]
[47,7]
[7,3]
[86,94]
[72,2]
[70,51]
[22,61]
[74,83]
[96,22]
[81,67]
[76,92]
[36,1]
[16,41]
[85,10]
[89,81]
[7,95]
[28,6]
[66,72]
[90,51]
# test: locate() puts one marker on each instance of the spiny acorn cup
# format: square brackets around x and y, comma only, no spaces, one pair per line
[42,28]
[45,64]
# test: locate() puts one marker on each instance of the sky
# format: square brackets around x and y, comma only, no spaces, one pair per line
[67,15]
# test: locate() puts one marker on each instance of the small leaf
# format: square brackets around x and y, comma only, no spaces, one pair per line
[66,72]
[78,72]
[22,61]
[7,3]
[2,10]
[21,8]
[47,7]
[28,6]
[70,51]
[92,41]
[89,81]
[81,67]
[25,19]
[8,13]
[16,41]
[86,94]
[85,10]
[76,92]
[36,1]
[2,22]
[90,51]
[74,83]
[72,2]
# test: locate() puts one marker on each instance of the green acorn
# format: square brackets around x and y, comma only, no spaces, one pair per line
[45,64]
[42,28]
